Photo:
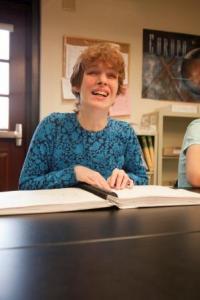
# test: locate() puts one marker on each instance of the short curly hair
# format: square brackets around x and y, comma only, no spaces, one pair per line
[106,53]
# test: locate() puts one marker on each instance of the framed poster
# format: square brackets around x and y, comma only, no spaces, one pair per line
[171,66]
[72,48]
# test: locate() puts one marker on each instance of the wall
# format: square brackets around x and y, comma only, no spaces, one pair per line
[117,20]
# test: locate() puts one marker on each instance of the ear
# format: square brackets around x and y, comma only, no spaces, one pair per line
[76,89]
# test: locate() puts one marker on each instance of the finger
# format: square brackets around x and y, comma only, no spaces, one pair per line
[112,178]
[119,179]
[130,184]
[108,180]
[90,176]
[125,181]
[102,185]
[109,183]
[100,182]
[89,181]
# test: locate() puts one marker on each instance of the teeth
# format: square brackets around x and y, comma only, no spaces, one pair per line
[100,93]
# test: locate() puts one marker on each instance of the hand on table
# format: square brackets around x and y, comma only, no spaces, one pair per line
[90,176]
[119,180]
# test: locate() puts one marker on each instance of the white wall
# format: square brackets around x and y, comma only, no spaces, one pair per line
[117,20]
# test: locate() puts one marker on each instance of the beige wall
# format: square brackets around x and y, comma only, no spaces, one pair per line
[117,20]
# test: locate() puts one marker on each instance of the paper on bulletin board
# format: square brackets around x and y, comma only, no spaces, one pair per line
[66,89]
[122,106]
[72,53]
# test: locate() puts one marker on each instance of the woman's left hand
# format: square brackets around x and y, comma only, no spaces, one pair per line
[119,180]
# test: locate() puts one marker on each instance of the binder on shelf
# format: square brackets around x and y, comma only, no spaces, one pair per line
[150,133]
[146,152]
[151,147]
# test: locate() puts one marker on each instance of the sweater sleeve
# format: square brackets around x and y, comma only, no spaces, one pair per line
[37,171]
[134,165]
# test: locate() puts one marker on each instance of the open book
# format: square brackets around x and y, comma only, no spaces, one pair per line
[71,199]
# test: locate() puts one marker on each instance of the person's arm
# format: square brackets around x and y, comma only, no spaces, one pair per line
[37,172]
[193,165]
[134,165]
[134,171]
[91,177]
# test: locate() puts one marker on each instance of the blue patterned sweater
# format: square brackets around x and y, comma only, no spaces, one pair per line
[59,143]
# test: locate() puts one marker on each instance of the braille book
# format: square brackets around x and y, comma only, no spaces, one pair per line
[84,198]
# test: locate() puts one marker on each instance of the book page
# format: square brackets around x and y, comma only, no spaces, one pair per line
[65,199]
[154,195]
[154,191]
[71,199]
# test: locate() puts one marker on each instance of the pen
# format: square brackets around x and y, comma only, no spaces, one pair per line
[105,194]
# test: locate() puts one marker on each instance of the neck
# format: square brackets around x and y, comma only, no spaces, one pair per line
[92,121]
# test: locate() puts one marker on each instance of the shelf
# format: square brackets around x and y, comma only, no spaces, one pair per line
[171,123]
[144,130]
[170,157]
[150,172]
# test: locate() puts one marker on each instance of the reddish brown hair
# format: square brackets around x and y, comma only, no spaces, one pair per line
[106,53]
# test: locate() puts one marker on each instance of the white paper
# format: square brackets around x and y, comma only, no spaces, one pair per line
[72,53]
[184,108]
[66,89]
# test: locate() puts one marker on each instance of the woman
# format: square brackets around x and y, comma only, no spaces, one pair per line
[189,160]
[87,145]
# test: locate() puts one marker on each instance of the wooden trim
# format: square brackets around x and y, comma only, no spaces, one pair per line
[33,70]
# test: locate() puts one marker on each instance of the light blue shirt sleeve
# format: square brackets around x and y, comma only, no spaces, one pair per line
[192,137]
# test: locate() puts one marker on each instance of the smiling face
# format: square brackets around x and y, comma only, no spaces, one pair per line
[99,86]
[97,66]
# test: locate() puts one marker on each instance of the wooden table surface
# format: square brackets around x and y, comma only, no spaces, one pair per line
[149,253]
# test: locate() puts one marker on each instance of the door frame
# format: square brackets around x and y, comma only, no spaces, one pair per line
[33,64]
[25,63]
[33,70]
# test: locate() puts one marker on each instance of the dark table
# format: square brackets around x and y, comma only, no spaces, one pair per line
[151,253]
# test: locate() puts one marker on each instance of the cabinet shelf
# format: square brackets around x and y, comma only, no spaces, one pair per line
[171,127]
[170,157]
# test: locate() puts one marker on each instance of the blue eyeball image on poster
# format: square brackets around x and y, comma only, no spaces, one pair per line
[191,70]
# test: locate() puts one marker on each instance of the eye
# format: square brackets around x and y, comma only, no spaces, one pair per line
[112,75]
[92,72]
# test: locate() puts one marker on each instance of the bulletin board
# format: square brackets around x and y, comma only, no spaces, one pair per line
[72,47]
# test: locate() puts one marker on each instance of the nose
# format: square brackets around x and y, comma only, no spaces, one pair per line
[102,78]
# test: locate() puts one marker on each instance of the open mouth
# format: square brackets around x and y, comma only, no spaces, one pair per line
[100,93]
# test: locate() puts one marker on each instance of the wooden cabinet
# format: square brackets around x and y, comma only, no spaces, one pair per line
[171,127]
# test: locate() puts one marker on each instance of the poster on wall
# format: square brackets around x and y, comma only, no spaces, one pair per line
[171,66]
[72,48]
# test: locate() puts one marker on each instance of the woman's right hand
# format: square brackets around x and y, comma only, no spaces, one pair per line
[90,176]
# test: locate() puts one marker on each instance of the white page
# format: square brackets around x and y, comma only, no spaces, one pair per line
[63,196]
[154,191]
[153,195]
